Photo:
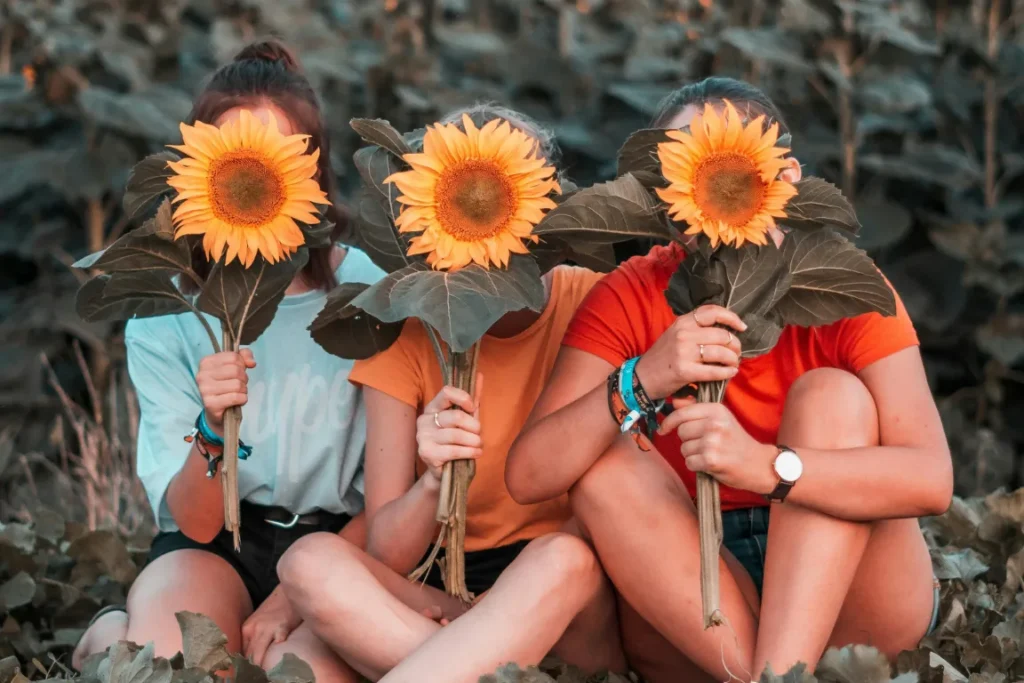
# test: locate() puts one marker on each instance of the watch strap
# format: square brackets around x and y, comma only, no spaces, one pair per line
[783,488]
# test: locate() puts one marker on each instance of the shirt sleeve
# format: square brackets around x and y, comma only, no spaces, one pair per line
[395,371]
[862,340]
[606,323]
[169,402]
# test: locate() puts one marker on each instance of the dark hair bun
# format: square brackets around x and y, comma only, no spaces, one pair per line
[273,51]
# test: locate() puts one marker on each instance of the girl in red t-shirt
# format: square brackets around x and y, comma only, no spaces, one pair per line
[838,556]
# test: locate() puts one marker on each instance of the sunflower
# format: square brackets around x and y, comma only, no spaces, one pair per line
[474,194]
[723,177]
[242,187]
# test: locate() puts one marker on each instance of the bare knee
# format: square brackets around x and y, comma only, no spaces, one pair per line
[619,480]
[302,567]
[567,561]
[829,408]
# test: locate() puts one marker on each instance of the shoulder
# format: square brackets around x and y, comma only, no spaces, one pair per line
[160,331]
[571,284]
[356,266]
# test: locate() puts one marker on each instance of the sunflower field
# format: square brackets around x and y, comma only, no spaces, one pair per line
[914,108]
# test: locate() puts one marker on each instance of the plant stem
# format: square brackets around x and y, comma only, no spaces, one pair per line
[455,479]
[992,106]
[847,121]
[709,519]
[229,464]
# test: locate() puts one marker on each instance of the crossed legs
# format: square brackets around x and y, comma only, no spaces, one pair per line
[552,597]
[828,582]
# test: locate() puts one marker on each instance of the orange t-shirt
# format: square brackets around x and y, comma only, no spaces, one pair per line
[627,311]
[515,370]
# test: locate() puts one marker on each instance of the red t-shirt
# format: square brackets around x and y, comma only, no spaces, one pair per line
[626,312]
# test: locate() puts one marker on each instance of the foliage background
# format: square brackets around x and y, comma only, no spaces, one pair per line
[913,107]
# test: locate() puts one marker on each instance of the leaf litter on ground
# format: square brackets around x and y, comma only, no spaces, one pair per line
[54,576]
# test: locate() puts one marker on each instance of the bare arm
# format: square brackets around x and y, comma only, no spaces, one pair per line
[401,509]
[909,475]
[543,463]
[196,502]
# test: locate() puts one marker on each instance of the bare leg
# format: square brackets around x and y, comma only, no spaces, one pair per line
[643,524]
[593,641]
[830,581]
[371,616]
[303,643]
[186,580]
[104,632]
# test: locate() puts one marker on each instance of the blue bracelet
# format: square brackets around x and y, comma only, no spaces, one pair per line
[208,435]
[626,385]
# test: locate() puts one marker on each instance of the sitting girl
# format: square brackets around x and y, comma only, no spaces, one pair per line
[822,545]
[303,419]
[542,588]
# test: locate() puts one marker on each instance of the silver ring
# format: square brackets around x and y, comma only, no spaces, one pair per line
[730,337]
[437,421]
[701,352]
[694,314]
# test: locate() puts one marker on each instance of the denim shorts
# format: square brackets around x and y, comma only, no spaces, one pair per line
[745,535]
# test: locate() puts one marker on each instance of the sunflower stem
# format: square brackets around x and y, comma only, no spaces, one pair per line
[709,520]
[229,464]
[453,498]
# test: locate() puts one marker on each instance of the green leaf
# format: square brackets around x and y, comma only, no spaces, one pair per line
[964,565]
[124,296]
[145,249]
[375,232]
[376,210]
[640,152]
[17,591]
[381,133]
[147,181]
[246,671]
[461,305]
[246,299]
[291,669]
[832,279]
[614,211]
[349,332]
[853,664]
[319,235]
[798,674]
[768,45]
[203,644]
[819,203]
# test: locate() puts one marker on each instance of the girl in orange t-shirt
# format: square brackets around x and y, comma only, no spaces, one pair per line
[838,556]
[542,586]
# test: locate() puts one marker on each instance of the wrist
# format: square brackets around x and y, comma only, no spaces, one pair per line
[647,380]
[431,482]
[769,477]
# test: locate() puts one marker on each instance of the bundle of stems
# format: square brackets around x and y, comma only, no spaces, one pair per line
[709,519]
[460,370]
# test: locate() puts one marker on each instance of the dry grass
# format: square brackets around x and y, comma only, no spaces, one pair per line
[93,479]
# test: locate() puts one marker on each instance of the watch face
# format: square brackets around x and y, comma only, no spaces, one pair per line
[789,466]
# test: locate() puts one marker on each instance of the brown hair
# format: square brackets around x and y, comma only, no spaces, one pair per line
[715,90]
[483,112]
[263,72]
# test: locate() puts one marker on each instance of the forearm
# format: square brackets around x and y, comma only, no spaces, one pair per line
[869,484]
[552,454]
[196,502]
[401,532]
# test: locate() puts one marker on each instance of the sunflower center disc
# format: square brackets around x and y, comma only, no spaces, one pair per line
[475,200]
[728,188]
[245,191]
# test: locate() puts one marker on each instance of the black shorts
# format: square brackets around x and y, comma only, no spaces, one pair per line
[482,567]
[263,544]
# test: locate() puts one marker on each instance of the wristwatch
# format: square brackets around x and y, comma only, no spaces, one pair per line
[788,468]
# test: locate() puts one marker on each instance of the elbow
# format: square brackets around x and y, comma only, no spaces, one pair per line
[517,482]
[200,533]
